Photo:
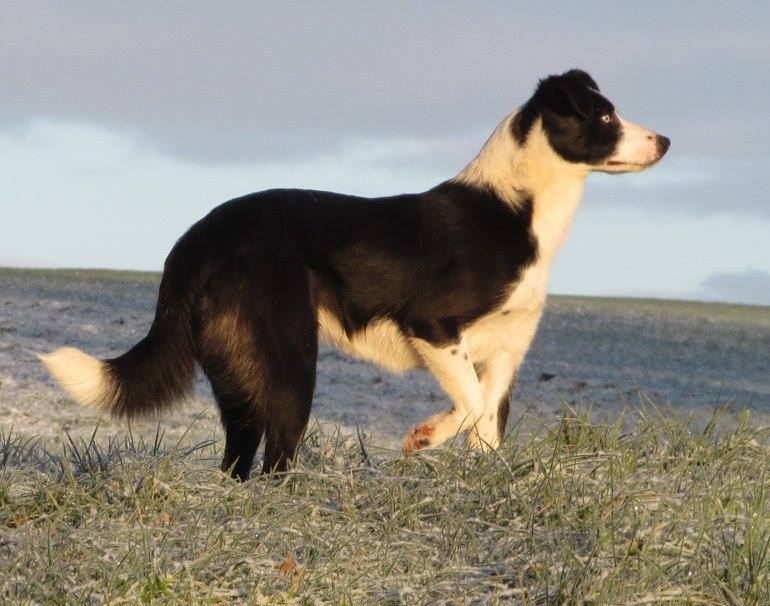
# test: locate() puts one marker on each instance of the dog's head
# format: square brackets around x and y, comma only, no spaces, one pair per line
[582,126]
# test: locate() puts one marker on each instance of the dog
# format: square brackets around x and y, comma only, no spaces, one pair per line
[452,280]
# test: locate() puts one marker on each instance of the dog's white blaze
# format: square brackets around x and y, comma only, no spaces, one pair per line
[638,148]
[83,377]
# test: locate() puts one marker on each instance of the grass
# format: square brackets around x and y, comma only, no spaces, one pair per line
[721,313]
[573,513]
[86,275]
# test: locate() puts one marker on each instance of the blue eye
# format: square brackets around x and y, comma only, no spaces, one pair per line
[606,118]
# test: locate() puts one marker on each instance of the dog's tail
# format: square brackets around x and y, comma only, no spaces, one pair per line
[154,374]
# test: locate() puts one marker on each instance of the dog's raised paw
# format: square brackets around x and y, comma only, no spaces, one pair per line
[419,437]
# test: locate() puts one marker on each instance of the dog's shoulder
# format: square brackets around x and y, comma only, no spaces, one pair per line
[476,223]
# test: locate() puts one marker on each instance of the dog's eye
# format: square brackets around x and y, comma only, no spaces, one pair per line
[606,118]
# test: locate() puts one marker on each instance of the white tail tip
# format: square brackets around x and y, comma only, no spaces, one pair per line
[82,376]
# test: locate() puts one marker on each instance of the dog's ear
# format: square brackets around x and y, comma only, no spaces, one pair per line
[570,94]
[584,77]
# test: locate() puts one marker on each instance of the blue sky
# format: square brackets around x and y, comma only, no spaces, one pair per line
[121,124]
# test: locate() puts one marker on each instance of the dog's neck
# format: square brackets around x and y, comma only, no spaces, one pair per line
[530,171]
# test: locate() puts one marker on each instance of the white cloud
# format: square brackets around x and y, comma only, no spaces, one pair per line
[748,286]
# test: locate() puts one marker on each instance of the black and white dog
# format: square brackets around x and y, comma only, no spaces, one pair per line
[452,280]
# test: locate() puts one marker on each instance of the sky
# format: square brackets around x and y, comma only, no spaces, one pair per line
[121,124]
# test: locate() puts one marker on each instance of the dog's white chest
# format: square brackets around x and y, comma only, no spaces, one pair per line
[528,294]
[511,326]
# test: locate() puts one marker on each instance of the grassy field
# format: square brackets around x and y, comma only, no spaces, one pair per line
[634,508]
[572,513]
[85,275]
[751,315]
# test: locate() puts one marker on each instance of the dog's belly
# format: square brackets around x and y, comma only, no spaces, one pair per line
[509,328]
[380,342]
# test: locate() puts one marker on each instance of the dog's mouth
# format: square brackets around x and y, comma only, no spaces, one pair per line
[619,166]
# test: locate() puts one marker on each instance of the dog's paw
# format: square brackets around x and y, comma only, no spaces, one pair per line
[473,440]
[419,437]
[487,442]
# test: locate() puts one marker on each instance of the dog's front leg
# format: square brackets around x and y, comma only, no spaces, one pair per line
[453,369]
[496,379]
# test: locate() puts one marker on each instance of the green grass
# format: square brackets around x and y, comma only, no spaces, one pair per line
[574,513]
[733,313]
[85,275]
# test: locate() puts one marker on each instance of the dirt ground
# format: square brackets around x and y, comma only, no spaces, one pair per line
[605,354]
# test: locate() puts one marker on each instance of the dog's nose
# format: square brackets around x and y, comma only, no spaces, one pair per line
[663,144]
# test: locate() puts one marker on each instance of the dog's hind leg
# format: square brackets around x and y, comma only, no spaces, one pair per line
[257,339]
[293,368]
[291,381]
[243,432]
[229,354]
[289,414]
[288,338]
